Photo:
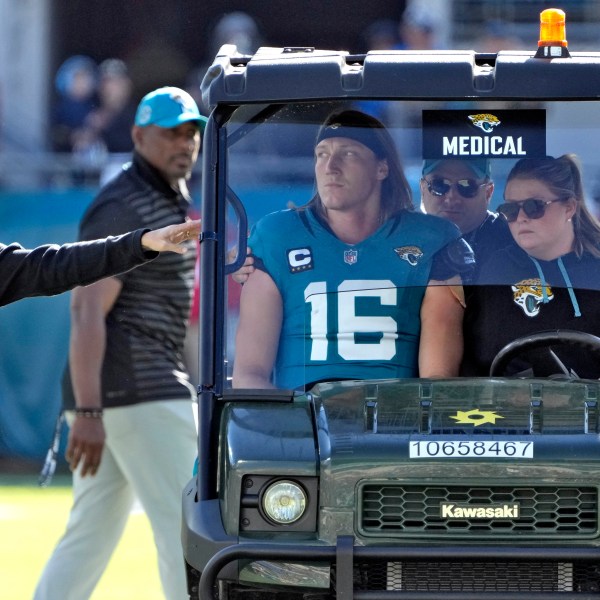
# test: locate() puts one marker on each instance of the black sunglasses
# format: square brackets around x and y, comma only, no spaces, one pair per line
[467,188]
[534,208]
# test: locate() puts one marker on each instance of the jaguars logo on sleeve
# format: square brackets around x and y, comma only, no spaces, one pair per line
[411,254]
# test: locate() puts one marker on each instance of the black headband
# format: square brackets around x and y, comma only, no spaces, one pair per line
[364,134]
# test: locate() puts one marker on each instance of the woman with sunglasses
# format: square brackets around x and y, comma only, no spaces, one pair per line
[548,280]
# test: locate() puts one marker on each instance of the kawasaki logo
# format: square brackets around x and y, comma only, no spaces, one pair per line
[479,511]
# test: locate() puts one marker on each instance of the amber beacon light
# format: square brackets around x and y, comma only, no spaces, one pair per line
[553,40]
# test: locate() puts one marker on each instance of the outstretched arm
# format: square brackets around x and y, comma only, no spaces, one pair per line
[52,269]
[257,338]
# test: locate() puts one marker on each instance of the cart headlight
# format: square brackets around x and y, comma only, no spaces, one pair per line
[284,502]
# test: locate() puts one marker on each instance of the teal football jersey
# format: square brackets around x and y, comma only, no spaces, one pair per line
[350,311]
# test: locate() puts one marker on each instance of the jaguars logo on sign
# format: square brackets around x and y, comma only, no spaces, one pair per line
[485,121]
[467,134]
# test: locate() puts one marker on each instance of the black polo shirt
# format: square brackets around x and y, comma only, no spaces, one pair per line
[147,324]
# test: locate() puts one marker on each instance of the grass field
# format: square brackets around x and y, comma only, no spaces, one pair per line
[31,521]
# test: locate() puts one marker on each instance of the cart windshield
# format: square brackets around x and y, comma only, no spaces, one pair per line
[476,231]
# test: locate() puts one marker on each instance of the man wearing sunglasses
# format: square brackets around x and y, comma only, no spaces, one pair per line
[460,190]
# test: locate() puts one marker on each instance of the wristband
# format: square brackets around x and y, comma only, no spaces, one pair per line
[89,413]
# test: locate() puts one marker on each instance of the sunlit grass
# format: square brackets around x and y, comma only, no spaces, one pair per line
[32,520]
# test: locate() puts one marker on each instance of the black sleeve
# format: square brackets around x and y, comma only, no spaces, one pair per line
[456,258]
[52,269]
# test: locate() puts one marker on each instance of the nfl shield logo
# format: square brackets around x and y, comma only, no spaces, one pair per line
[350,256]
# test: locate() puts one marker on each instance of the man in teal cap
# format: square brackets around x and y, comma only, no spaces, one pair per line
[460,190]
[167,107]
[126,393]
[162,116]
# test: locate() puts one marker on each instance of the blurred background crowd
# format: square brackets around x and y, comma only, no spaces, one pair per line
[72,73]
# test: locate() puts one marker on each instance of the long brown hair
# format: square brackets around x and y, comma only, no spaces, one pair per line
[396,194]
[562,175]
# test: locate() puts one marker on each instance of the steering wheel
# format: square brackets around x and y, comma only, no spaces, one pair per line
[543,339]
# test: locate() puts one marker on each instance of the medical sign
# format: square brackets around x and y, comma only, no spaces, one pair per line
[468,134]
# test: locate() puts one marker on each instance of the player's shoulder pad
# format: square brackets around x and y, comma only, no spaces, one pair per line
[457,256]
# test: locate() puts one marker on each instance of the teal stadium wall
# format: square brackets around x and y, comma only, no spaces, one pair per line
[34,332]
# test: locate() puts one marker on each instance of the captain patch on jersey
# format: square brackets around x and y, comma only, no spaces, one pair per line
[300,259]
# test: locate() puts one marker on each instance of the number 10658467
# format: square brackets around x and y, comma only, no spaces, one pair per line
[470,449]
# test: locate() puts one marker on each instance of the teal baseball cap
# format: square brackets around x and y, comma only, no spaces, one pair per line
[168,107]
[480,166]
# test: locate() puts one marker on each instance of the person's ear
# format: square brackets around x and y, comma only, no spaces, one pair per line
[570,208]
[383,170]
[137,135]
[489,191]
